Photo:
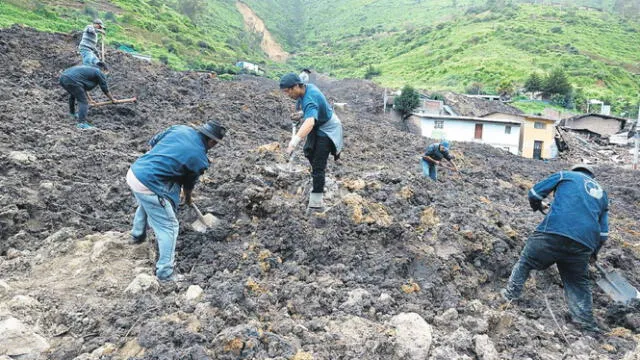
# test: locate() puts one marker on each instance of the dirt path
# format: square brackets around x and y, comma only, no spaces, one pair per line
[253,23]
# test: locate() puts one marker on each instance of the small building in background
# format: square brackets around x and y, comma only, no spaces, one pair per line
[536,138]
[598,124]
[499,133]
[250,67]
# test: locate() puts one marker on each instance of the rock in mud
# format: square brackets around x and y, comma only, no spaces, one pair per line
[194,294]
[447,317]
[20,341]
[485,350]
[142,283]
[413,336]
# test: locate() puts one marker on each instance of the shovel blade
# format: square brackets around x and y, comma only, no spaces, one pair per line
[617,287]
[210,221]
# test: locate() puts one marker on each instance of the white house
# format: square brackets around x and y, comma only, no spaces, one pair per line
[500,133]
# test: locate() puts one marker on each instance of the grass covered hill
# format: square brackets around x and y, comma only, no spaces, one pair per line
[435,44]
[183,33]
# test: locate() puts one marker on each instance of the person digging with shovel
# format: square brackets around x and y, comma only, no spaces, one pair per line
[88,48]
[322,129]
[433,156]
[177,158]
[571,235]
[78,81]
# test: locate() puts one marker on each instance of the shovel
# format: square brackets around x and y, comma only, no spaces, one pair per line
[616,286]
[121,101]
[204,222]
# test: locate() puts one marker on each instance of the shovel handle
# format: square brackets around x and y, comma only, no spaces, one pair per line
[600,269]
[193,205]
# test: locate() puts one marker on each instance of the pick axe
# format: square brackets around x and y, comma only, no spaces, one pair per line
[121,101]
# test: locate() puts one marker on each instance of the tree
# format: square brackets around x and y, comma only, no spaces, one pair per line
[406,102]
[533,83]
[557,83]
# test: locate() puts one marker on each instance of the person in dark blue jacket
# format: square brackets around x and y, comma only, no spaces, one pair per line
[571,234]
[177,158]
[433,156]
[78,81]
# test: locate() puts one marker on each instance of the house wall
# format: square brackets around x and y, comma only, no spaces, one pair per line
[530,134]
[604,127]
[464,130]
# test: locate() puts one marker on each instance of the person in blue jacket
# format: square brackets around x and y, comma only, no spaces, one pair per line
[78,81]
[177,158]
[322,129]
[433,156]
[571,235]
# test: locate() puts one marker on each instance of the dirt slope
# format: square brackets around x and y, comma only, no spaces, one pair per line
[276,283]
[268,44]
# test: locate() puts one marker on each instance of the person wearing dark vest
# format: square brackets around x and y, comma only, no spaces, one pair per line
[177,159]
[322,129]
[571,235]
[433,156]
[78,81]
[88,46]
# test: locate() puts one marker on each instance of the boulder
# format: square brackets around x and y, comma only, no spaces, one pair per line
[142,283]
[413,336]
[194,294]
[18,340]
[484,348]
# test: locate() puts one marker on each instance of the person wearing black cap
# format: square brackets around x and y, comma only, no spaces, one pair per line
[571,234]
[177,158]
[78,81]
[322,129]
[88,46]
[304,76]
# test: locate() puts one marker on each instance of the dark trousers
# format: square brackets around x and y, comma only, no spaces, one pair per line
[572,258]
[76,93]
[318,158]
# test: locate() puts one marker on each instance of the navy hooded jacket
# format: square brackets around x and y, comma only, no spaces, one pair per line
[579,210]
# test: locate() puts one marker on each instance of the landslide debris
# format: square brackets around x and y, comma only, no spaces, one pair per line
[394,253]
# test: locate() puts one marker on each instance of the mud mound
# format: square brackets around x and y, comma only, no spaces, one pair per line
[393,253]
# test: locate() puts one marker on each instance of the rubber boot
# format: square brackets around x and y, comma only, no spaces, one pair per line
[316,204]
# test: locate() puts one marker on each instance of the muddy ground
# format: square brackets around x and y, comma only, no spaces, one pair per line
[277,284]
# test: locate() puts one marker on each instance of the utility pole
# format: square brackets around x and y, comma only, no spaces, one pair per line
[637,137]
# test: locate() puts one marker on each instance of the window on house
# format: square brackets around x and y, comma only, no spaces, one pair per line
[539,125]
[507,130]
[439,124]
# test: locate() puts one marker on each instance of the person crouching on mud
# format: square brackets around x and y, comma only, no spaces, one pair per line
[433,156]
[321,127]
[177,158]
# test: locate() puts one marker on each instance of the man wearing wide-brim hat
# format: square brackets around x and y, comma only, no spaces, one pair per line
[177,158]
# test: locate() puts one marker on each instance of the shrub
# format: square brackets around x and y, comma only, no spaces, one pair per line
[164,59]
[371,72]
[110,16]
[88,10]
[556,30]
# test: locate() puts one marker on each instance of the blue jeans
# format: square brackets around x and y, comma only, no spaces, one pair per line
[572,258]
[159,214]
[88,57]
[429,169]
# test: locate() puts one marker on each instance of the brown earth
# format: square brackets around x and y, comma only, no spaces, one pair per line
[254,24]
[276,283]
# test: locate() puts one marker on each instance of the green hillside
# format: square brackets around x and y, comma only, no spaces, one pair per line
[214,35]
[435,44]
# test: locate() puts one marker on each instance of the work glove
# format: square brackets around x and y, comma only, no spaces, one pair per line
[536,205]
[295,140]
